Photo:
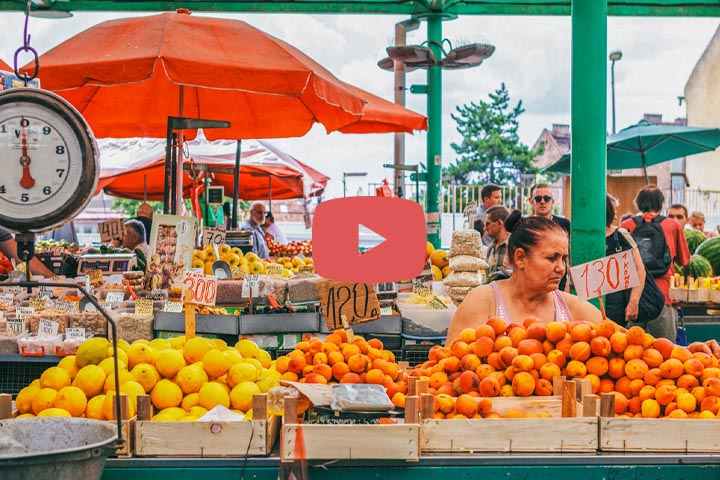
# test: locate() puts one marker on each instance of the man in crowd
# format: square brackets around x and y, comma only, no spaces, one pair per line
[254,224]
[542,203]
[649,201]
[273,230]
[697,221]
[495,227]
[144,216]
[134,237]
[8,247]
[490,195]
[678,212]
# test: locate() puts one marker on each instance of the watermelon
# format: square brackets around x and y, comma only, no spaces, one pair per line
[699,266]
[693,238]
[710,249]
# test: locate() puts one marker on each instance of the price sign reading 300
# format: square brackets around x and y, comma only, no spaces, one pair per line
[605,275]
[201,288]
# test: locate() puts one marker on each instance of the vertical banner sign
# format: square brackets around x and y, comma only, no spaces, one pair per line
[605,275]
[111,229]
[201,289]
[356,301]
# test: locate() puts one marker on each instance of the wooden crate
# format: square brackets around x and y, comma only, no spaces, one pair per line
[128,426]
[572,428]
[397,442]
[624,434]
[206,439]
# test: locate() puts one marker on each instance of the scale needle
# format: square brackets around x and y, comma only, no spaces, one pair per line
[27,181]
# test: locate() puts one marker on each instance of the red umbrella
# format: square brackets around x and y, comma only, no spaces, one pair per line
[5,66]
[382,116]
[127,76]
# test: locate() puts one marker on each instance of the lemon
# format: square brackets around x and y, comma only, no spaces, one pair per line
[23,401]
[264,358]
[212,394]
[121,354]
[242,394]
[132,389]
[160,344]
[54,412]
[68,363]
[254,362]
[90,379]
[162,417]
[191,378]
[35,383]
[26,415]
[94,408]
[43,399]
[177,342]
[108,407]
[125,376]
[140,353]
[173,412]
[197,411]
[123,345]
[146,375]
[91,351]
[436,273]
[108,365]
[166,394]
[55,378]
[219,343]
[187,418]
[216,363]
[71,399]
[233,355]
[266,383]
[241,372]
[169,363]
[189,401]
[247,348]
[195,349]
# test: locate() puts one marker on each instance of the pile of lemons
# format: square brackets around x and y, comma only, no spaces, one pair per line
[184,378]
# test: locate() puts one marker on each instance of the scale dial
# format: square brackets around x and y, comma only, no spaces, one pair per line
[48,159]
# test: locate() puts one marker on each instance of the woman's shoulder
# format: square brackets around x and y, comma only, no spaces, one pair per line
[581,309]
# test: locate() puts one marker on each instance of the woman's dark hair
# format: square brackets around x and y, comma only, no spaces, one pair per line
[649,199]
[609,210]
[270,216]
[528,232]
[479,225]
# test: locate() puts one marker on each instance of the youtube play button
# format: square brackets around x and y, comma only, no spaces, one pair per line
[336,231]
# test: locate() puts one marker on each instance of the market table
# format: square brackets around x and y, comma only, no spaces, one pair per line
[702,321]
[507,467]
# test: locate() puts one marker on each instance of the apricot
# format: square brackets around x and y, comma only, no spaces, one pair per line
[687,402]
[580,351]
[523,363]
[543,388]
[320,357]
[672,368]
[483,370]
[460,348]
[529,346]
[323,369]
[604,329]
[536,331]
[619,342]
[497,324]
[633,352]
[446,388]
[710,403]
[506,391]
[489,387]
[348,350]
[600,346]
[636,335]
[634,406]
[470,362]
[500,377]
[485,330]
[694,367]
[664,346]
[483,346]
[444,403]
[517,335]
[381,364]
[581,332]
[712,372]
[466,405]
[484,406]
[450,364]
[549,371]
[665,394]
[705,415]
[494,360]
[467,335]
[648,391]
[357,362]
[502,341]
[652,357]
[515,413]
[507,354]
[712,386]
[557,357]
[703,358]
[281,364]
[653,376]
[594,382]
[523,384]
[468,381]
[681,353]
[334,338]
[621,403]
[539,359]
[676,413]
[375,376]
[576,369]
[650,408]
[699,393]
[616,367]
[297,364]
[362,344]
[597,365]
[606,385]
[303,346]
[307,370]
[398,400]
[622,385]
[635,386]
[636,368]
[315,378]
[289,376]
[335,357]
[374,353]
[555,331]
[565,345]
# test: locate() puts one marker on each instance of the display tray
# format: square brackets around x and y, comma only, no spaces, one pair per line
[279,323]
[204,323]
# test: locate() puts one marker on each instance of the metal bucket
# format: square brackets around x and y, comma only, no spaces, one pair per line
[52,448]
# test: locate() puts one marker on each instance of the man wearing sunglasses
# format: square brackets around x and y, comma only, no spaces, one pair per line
[254,224]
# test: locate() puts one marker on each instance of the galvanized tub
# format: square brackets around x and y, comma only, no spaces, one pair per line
[53,448]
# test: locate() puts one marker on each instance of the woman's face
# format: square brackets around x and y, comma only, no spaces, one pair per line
[546,262]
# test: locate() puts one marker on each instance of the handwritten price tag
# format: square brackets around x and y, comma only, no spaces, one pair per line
[386,311]
[15,326]
[274,270]
[144,306]
[111,229]
[38,303]
[12,290]
[201,289]
[46,328]
[23,312]
[44,292]
[67,306]
[213,236]
[7,297]
[115,297]
[96,277]
[307,269]
[75,333]
[250,285]
[174,307]
[355,301]
[605,275]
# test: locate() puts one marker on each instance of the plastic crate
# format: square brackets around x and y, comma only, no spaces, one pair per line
[14,376]
[416,354]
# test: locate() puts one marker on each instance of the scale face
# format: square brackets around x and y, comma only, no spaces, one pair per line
[49,160]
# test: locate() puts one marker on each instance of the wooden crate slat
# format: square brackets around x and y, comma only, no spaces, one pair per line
[659,435]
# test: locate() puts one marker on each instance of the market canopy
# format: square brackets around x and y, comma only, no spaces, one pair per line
[133,168]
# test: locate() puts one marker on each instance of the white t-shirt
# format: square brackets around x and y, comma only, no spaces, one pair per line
[276,233]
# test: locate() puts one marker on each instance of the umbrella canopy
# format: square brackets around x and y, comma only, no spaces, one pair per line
[645,144]
[127,76]
[382,116]
[5,66]
[130,168]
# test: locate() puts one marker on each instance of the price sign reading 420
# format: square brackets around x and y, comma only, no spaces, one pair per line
[605,275]
[356,301]
[200,288]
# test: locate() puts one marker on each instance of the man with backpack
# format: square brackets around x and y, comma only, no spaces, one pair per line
[660,241]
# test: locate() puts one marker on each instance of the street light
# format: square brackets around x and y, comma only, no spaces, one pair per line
[351,174]
[614,57]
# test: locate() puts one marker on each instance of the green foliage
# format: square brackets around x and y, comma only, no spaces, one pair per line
[491,150]
[130,207]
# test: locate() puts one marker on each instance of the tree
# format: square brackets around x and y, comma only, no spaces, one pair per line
[491,151]
[130,207]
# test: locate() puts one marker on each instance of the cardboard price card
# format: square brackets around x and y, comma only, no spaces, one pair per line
[274,270]
[605,275]
[213,236]
[38,303]
[23,312]
[200,289]
[75,333]
[174,307]
[7,297]
[46,328]
[144,306]
[67,306]
[111,229]
[15,326]
[250,286]
[356,301]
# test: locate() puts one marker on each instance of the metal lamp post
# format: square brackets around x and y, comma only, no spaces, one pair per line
[614,57]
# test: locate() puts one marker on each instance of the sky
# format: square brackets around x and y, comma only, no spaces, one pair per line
[532,58]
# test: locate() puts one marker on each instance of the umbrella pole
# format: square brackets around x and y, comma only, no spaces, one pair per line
[270,192]
[236,185]
[644,162]
[174,165]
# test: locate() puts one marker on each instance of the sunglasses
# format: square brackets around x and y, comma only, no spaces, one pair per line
[678,217]
[543,198]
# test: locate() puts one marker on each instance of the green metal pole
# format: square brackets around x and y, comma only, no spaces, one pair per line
[434,134]
[589,124]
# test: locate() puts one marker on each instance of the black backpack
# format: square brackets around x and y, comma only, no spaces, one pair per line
[653,247]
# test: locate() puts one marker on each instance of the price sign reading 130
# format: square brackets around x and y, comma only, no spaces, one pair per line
[605,275]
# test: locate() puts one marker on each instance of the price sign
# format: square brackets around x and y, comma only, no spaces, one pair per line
[605,275]
[75,333]
[174,307]
[437,304]
[46,328]
[67,306]
[44,291]
[114,297]
[56,251]
[386,311]
[15,326]
[356,301]
[308,221]
[96,277]
[213,235]
[201,289]
[111,229]
[274,270]
[144,306]
[22,312]
[7,297]
[13,290]
[307,269]
[38,303]
[470,211]
[250,285]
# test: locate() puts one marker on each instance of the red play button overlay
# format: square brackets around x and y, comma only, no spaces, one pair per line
[335,239]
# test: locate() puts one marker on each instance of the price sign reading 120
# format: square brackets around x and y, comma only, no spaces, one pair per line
[605,275]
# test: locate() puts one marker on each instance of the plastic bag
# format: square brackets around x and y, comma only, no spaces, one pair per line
[360,397]
[384,189]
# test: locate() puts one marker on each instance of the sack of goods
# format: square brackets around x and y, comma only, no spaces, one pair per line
[467,261]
